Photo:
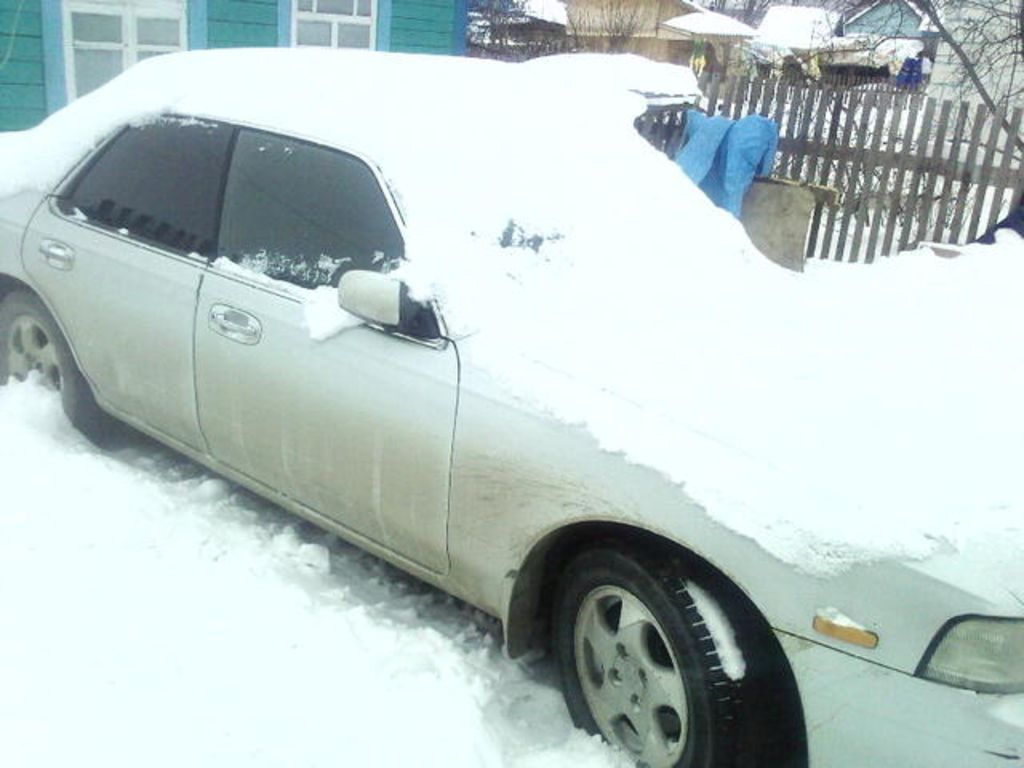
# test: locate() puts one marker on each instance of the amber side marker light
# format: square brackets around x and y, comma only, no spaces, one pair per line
[853,635]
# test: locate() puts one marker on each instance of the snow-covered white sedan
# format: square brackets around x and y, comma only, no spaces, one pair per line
[462,315]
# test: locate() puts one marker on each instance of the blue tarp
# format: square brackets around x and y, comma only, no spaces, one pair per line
[911,74]
[723,156]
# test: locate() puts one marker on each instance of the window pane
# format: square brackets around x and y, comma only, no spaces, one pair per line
[94,68]
[160,182]
[304,214]
[159,32]
[352,36]
[363,7]
[95,28]
[335,6]
[313,33]
[305,5]
[141,55]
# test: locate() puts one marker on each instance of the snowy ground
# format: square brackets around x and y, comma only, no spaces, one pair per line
[153,615]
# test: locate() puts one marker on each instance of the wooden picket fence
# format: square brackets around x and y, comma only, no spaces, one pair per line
[907,168]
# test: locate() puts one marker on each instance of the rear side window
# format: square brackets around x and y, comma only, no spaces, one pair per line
[159,182]
[303,213]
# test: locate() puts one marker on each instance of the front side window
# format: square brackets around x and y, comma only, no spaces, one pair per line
[304,214]
[105,37]
[334,23]
[159,183]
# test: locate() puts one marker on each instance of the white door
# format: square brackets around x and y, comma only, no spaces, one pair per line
[358,427]
[120,256]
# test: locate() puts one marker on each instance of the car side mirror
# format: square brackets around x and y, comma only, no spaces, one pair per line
[371,296]
[382,300]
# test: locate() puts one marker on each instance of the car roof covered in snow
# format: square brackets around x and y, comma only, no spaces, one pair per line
[373,102]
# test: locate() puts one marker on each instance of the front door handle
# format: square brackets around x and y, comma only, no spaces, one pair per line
[57,254]
[235,324]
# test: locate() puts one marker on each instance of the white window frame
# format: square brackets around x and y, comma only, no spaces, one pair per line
[129,11]
[334,18]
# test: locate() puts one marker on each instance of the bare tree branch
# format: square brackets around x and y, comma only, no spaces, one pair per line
[967,62]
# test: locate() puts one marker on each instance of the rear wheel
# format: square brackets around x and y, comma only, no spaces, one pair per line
[30,341]
[638,664]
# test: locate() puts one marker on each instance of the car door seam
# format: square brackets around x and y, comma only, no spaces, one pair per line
[451,456]
[195,359]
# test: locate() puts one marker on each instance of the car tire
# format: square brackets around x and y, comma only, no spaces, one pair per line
[30,340]
[638,665]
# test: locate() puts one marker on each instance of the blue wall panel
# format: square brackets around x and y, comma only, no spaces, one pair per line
[284,22]
[384,17]
[198,24]
[236,23]
[892,17]
[23,88]
[424,26]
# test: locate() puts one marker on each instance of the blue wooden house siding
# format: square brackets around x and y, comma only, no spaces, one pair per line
[22,75]
[892,18]
[33,51]
[241,23]
[423,26]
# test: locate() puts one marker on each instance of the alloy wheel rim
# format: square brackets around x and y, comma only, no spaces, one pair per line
[30,348]
[630,677]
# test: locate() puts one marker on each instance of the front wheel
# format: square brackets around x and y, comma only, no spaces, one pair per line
[30,341]
[638,664]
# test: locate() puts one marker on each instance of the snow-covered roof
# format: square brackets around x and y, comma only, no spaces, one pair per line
[873,50]
[801,28]
[552,11]
[690,6]
[710,24]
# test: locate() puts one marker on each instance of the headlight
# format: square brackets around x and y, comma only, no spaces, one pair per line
[979,654]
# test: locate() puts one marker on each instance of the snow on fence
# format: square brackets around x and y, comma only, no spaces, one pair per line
[907,168]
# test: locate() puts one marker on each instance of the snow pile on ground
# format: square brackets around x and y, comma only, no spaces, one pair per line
[153,615]
[842,415]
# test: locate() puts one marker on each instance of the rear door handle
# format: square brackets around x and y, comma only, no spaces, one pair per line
[57,254]
[235,324]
